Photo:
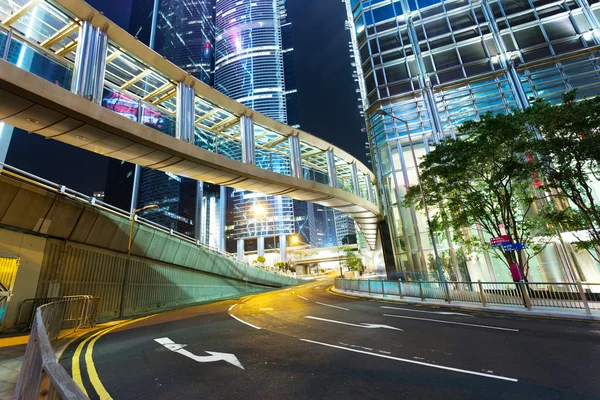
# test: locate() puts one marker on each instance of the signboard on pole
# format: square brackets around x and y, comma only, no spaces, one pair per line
[513,246]
[500,240]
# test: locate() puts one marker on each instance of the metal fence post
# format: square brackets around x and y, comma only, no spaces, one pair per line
[583,298]
[448,299]
[421,290]
[400,288]
[481,294]
[369,282]
[525,294]
[382,287]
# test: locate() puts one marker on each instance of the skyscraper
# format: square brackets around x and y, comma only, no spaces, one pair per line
[183,32]
[437,64]
[249,67]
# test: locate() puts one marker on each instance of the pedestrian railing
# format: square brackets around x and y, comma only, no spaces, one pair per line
[41,376]
[567,295]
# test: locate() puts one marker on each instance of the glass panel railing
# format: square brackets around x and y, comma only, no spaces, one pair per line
[38,62]
[205,140]
[362,184]
[315,175]
[158,119]
[272,161]
[229,148]
[120,103]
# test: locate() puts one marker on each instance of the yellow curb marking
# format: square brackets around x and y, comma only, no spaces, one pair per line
[89,362]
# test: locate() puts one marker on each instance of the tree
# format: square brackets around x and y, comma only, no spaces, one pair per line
[351,260]
[566,154]
[483,179]
[448,265]
[261,260]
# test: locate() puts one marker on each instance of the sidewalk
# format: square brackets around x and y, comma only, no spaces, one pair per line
[547,312]
[12,351]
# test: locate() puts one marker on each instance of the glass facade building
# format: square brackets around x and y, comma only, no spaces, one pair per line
[439,64]
[249,67]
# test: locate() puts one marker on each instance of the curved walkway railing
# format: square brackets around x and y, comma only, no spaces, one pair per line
[41,376]
[559,295]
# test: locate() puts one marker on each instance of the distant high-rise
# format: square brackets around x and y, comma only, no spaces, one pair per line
[345,230]
[249,67]
[183,32]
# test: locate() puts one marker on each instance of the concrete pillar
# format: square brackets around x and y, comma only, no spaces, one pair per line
[184,113]
[222,217]
[355,182]
[247,135]
[282,248]
[240,249]
[295,156]
[260,245]
[198,223]
[90,62]
[332,173]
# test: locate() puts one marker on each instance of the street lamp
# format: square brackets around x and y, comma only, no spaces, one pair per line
[425,208]
[128,261]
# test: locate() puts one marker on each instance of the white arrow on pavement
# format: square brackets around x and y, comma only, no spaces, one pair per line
[214,356]
[362,325]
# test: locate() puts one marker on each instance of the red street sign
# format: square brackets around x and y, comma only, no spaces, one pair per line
[500,239]
[515,272]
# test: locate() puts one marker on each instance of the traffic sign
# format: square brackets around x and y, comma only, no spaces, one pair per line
[500,240]
[513,246]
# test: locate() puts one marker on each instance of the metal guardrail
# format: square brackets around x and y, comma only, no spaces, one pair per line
[562,295]
[41,376]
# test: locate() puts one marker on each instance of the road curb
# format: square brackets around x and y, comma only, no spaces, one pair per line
[494,310]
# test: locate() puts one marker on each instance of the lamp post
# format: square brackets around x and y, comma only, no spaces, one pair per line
[128,261]
[425,208]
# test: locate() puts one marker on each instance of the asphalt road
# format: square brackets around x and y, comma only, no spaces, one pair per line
[305,343]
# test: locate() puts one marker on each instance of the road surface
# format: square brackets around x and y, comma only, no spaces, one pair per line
[306,343]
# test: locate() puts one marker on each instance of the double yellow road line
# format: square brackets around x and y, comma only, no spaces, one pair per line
[89,362]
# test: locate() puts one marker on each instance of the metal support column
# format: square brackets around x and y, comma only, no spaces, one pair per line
[355,183]
[260,246]
[198,223]
[222,217]
[295,156]
[185,113]
[331,168]
[282,248]
[240,249]
[247,135]
[90,61]
[370,193]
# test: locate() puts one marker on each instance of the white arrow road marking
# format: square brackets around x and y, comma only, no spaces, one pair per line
[329,305]
[453,323]
[463,371]
[428,312]
[214,356]
[362,325]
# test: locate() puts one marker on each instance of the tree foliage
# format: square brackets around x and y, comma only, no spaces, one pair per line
[483,179]
[351,260]
[566,153]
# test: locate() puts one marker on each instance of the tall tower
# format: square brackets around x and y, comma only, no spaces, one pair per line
[249,67]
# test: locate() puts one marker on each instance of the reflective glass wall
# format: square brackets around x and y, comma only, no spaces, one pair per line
[439,64]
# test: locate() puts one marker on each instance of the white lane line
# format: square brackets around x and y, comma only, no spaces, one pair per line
[293,292]
[329,305]
[245,300]
[231,308]
[362,325]
[266,309]
[286,289]
[317,287]
[303,298]
[462,371]
[428,312]
[453,323]
[244,322]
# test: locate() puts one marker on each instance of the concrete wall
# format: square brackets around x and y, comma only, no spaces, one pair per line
[30,250]
[69,247]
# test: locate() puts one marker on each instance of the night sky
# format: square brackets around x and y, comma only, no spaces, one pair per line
[328,101]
